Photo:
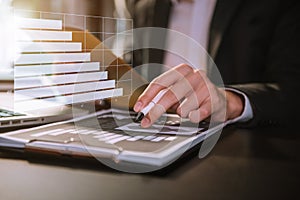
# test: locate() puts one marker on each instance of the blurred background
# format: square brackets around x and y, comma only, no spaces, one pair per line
[80,7]
[105,8]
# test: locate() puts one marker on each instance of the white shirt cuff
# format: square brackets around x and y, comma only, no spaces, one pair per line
[247,113]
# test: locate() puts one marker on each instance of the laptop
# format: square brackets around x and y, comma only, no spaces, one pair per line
[11,118]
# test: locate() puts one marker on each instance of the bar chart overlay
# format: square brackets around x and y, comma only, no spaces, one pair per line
[59,63]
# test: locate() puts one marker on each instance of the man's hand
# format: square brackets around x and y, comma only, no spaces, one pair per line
[191,94]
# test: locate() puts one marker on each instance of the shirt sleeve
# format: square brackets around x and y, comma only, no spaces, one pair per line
[247,112]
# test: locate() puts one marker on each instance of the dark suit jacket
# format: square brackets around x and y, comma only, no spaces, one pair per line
[255,45]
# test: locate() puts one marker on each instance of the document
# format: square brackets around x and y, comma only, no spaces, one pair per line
[110,134]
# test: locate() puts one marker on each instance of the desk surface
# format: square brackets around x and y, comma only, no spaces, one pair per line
[245,164]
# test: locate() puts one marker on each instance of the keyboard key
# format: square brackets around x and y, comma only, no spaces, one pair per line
[109,137]
[60,132]
[150,137]
[74,132]
[158,139]
[84,132]
[135,138]
[87,131]
[99,132]
[119,139]
[169,122]
[170,138]
[103,135]
[46,132]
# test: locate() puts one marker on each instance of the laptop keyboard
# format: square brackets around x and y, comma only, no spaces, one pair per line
[8,113]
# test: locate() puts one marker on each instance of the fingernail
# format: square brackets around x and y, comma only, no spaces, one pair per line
[137,106]
[145,123]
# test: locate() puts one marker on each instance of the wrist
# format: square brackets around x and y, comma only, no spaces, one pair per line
[235,105]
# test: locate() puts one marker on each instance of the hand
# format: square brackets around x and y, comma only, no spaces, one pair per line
[191,94]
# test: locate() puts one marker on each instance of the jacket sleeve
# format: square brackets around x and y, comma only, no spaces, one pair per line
[277,102]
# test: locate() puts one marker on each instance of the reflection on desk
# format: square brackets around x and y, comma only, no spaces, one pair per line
[245,164]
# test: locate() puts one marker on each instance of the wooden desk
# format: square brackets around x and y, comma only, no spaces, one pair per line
[245,164]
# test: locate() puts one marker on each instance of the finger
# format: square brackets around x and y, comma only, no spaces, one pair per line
[153,115]
[182,88]
[201,113]
[172,97]
[177,92]
[195,88]
[174,107]
[171,76]
[161,82]
[146,97]
[167,100]
[193,101]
